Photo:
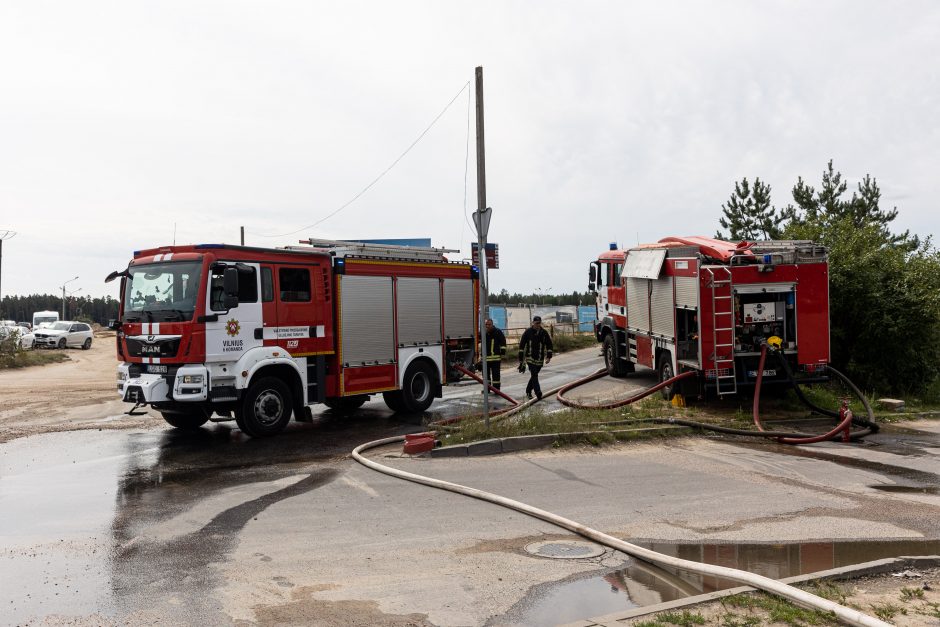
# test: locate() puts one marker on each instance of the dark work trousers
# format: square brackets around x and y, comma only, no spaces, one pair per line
[492,370]
[533,385]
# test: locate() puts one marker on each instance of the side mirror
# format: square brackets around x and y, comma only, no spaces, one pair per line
[593,274]
[114,325]
[230,287]
[591,287]
[115,275]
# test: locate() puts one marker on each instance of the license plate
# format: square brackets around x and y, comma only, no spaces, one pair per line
[767,373]
[156,369]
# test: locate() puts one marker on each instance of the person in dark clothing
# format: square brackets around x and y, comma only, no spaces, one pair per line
[495,351]
[535,351]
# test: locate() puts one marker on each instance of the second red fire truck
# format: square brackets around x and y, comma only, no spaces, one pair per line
[262,334]
[702,304]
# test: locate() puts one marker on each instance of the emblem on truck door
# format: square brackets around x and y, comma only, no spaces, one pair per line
[232,327]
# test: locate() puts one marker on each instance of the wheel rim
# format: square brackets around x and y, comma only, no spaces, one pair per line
[667,374]
[609,355]
[420,387]
[268,407]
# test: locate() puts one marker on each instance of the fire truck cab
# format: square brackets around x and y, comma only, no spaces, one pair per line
[702,304]
[261,334]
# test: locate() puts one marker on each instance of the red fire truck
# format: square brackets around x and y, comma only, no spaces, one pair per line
[702,304]
[262,334]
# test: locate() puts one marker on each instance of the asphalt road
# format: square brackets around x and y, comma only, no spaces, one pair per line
[149,526]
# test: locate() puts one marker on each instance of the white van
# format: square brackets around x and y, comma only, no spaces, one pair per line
[42,319]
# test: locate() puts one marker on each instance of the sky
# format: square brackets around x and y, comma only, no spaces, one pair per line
[127,125]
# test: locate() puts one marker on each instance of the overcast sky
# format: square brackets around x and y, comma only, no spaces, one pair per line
[124,122]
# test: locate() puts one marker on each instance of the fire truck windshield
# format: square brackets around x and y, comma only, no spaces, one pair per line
[161,292]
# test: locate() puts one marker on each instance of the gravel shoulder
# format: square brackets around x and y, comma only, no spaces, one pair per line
[76,394]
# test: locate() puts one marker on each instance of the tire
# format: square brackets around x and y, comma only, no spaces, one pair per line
[614,365]
[666,373]
[266,408]
[186,421]
[61,343]
[394,401]
[87,344]
[417,391]
[346,404]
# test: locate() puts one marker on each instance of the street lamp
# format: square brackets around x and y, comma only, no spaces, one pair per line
[63,294]
[3,235]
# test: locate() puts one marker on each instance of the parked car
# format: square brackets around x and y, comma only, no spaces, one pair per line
[65,333]
[22,338]
[25,325]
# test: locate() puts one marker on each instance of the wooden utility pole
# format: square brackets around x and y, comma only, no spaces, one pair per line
[482,220]
[243,236]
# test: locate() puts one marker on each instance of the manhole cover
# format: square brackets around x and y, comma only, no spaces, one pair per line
[565,549]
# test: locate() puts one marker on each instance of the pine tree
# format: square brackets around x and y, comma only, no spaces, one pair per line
[748,214]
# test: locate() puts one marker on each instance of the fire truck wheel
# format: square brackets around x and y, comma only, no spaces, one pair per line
[343,404]
[394,401]
[614,366]
[418,387]
[188,421]
[666,373]
[266,408]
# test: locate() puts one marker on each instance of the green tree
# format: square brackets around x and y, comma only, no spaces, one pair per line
[884,287]
[819,210]
[748,214]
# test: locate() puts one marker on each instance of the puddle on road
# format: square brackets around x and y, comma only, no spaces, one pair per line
[642,584]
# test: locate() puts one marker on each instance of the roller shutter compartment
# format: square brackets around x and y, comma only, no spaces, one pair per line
[368,328]
[419,311]
[458,308]
[662,306]
[638,313]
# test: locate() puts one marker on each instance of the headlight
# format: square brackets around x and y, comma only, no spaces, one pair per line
[192,378]
[122,375]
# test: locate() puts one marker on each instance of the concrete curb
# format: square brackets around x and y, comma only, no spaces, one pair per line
[497,446]
[876,567]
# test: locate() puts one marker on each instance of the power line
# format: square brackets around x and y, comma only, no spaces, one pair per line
[379,177]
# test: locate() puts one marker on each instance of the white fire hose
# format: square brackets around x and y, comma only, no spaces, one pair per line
[847,615]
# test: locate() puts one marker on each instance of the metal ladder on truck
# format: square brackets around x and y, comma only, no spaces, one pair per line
[719,283]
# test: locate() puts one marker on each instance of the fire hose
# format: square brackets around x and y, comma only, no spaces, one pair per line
[847,615]
[841,430]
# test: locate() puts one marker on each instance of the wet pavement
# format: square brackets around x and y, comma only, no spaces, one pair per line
[642,584]
[73,504]
[157,526]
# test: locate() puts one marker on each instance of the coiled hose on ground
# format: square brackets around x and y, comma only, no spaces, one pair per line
[787,437]
[847,615]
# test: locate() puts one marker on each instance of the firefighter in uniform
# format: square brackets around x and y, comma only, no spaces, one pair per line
[495,351]
[535,351]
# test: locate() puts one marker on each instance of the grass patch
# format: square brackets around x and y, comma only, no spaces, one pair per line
[829,590]
[683,619]
[25,359]
[909,594]
[594,427]
[887,611]
[780,610]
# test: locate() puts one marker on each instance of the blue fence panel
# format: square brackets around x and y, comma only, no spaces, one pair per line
[587,315]
[498,314]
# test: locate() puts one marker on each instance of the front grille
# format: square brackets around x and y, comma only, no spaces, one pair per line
[158,348]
